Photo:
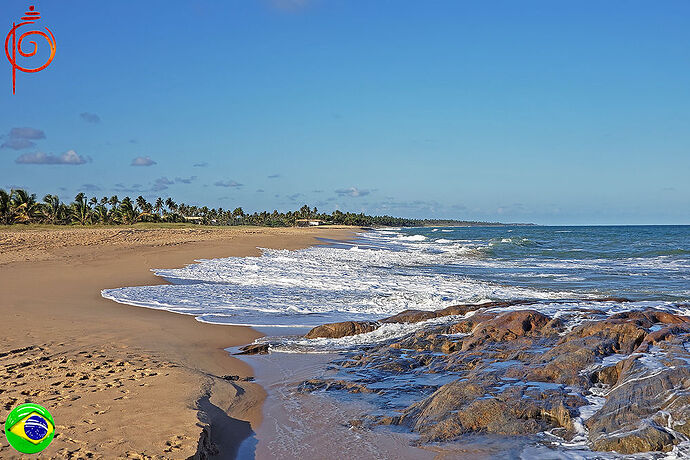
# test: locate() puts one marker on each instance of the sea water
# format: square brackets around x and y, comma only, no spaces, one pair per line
[383,272]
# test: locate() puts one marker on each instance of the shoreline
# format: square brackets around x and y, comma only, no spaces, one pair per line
[168,366]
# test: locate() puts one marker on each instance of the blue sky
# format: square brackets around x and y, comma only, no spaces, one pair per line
[530,111]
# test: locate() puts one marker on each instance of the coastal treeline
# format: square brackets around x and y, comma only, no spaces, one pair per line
[21,207]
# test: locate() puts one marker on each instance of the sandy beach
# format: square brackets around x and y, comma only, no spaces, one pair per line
[123,381]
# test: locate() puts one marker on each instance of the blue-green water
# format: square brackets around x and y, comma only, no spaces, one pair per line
[383,272]
[639,263]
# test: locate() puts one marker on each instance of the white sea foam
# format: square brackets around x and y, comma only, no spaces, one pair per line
[316,285]
[381,274]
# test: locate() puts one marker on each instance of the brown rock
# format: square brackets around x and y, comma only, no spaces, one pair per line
[416,316]
[466,325]
[620,335]
[643,398]
[344,329]
[464,406]
[254,349]
[662,334]
[510,326]
[410,316]
[449,346]
[647,438]
[325,384]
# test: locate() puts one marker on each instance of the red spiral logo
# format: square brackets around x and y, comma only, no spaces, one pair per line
[17,46]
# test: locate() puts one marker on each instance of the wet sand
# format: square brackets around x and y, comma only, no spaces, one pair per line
[124,381]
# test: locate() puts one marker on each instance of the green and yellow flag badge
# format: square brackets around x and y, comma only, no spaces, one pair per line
[29,428]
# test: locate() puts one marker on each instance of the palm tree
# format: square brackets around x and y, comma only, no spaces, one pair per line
[80,210]
[126,211]
[101,214]
[51,209]
[5,210]
[171,205]
[114,201]
[142,203]
[158,207]
[129,214]
[23,206]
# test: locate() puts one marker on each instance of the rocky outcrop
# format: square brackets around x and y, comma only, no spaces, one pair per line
[521,372]
[344,329]
[348,328]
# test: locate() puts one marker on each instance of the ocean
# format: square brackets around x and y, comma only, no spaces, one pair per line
[563,270]
[383,272]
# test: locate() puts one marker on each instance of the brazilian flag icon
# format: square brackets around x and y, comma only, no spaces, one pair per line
[29,428]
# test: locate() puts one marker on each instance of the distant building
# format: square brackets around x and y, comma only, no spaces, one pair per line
[194,220]
[308,222]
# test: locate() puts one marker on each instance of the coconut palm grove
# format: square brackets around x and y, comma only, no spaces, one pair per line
[18,206]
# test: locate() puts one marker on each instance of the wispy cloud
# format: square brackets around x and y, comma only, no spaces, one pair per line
[27,133]
[203,164]
[122,188]
[161,183]
[70,157]
[17,144]
[22,138]
[294,196]
[90,188]
[260,190]
[227,183]
[90,117]
[143,161]
[352,192]
[185,180]
[274,176]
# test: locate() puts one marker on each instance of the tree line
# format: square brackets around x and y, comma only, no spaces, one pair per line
[21,207]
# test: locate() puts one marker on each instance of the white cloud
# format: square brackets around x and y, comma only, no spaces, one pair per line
[70,157]
[352,192]
[227,183]
[142,161]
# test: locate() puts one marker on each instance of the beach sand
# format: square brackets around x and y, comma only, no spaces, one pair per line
[123,381]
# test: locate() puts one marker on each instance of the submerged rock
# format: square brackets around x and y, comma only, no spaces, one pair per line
[323,384]
[254,349]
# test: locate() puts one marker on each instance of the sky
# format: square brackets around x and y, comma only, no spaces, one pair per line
[532,111]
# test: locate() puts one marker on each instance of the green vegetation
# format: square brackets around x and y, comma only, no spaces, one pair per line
[21,207]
